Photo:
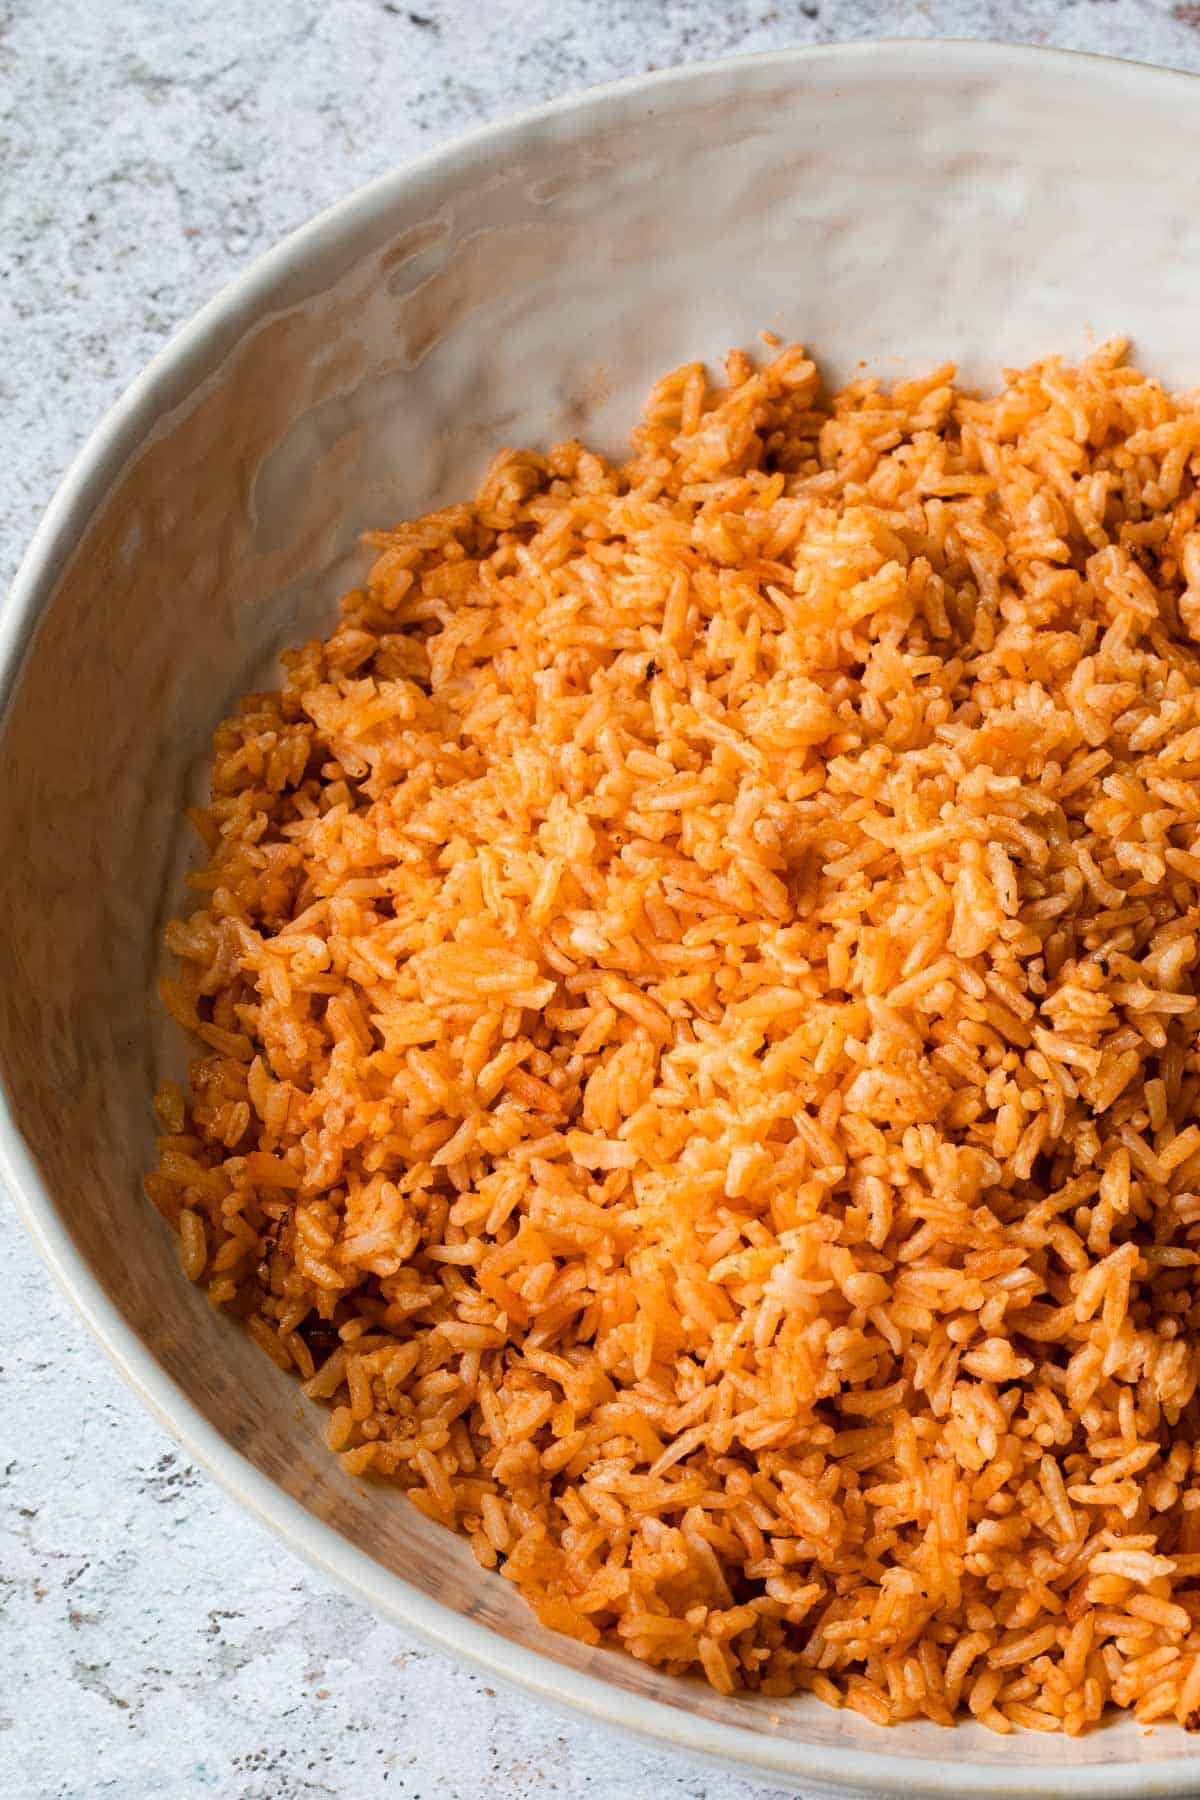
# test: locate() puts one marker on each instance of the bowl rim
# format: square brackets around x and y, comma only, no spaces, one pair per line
[187,357]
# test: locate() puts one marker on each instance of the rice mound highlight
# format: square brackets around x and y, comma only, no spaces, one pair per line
[698,985]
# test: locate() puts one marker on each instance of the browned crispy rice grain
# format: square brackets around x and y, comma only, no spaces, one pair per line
[697,977]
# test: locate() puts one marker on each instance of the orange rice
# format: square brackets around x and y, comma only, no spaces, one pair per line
[697,978]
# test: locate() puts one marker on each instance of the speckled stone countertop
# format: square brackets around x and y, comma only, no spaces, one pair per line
[153,1640]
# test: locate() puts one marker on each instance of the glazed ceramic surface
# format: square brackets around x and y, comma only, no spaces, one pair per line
[899,204]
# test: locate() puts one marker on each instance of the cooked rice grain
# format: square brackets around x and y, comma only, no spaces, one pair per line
[698,980]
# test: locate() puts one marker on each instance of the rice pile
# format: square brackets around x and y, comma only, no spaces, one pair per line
[697,978]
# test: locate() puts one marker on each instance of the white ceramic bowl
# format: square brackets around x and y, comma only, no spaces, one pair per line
[902,203]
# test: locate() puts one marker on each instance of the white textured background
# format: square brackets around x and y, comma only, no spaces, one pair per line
[153,1641]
